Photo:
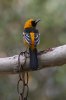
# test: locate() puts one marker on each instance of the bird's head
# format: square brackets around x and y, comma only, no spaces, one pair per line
[31,23]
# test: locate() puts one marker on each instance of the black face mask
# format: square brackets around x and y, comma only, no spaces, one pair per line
[34,23]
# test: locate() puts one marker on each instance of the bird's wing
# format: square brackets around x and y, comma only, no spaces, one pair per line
[26,37]
[37,38]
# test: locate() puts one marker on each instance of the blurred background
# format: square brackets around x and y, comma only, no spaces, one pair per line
[46,84]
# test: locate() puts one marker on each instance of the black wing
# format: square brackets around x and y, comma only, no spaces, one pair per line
[37,38]
[27,35]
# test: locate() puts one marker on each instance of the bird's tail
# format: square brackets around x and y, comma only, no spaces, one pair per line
[33,58]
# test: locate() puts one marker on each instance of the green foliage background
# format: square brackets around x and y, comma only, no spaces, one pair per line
[47,84]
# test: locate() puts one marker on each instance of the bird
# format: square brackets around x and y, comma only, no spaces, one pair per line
[31,38]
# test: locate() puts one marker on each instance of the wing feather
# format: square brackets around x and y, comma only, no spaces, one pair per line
[26,35]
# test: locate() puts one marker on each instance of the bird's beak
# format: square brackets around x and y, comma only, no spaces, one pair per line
[37,21]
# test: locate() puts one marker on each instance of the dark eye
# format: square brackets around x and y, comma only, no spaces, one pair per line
[33,23]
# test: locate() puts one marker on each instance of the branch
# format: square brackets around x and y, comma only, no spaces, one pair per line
[48,58]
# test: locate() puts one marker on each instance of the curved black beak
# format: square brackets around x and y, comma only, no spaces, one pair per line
[37,21]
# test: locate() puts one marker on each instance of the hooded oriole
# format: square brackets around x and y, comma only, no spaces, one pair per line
[31,38]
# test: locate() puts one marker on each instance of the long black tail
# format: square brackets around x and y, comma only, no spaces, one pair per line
[33,58]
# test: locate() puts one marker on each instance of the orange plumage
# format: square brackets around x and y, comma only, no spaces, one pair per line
[31,38]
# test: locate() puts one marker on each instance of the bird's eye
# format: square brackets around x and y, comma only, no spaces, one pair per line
[33,23]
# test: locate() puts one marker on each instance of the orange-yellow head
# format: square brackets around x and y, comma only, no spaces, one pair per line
[31,23]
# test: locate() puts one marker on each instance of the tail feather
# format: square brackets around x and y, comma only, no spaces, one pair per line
[33,58]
